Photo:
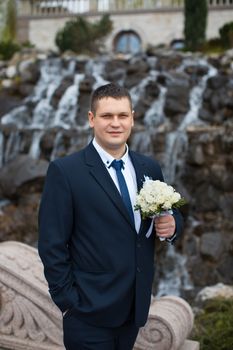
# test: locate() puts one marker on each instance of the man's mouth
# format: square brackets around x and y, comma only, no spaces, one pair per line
[115,133]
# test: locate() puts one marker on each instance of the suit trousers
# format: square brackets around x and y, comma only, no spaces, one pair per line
[79,335]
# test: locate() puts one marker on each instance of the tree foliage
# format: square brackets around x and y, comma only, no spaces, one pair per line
[10,27]
[195,23]
[82,36]
[8,24]
[2,15]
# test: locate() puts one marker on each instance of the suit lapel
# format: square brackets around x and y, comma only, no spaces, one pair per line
[139,167]
[99,172]
[141,172]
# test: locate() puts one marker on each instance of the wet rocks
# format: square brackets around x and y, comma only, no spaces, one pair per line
[215,291]
[17,79]
[212,245]
[149,94]
[8,101]
[218,99]
[208,181]
[21,181]
[60,90]
[177,97]
[18,220]
[22,173]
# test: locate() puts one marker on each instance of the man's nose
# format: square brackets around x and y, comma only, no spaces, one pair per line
[115,121]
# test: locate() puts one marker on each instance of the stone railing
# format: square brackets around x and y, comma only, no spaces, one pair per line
[30,321]
[74,7]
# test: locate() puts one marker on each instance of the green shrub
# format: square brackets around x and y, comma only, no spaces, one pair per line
[101,28]
[213,45]
[226,34]
[7,49]
[81,36]
[27,45]
[213,326]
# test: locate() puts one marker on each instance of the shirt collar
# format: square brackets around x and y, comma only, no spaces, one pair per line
[108,158]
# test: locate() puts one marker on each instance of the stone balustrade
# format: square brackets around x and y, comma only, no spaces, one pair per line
[64,7]
[30,321]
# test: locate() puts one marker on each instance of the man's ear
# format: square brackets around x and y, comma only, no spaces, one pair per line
[91,119]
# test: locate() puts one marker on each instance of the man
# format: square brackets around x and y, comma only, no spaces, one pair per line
[97,251]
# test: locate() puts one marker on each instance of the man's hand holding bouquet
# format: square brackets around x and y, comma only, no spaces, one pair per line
[156,200]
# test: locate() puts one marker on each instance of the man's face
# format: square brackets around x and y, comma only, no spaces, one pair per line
[112,124]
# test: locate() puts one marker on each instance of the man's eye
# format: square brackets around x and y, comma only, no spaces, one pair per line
[106,116]
[122,116]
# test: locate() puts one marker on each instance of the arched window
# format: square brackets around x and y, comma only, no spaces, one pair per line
[127,41]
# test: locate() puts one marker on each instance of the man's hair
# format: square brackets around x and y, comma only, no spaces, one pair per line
[109,90]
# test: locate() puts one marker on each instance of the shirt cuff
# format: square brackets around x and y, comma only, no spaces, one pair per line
[172,238]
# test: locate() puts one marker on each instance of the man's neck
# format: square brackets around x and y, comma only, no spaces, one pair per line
[115,153]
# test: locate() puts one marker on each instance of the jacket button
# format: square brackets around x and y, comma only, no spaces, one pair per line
[138,269]
[139,245]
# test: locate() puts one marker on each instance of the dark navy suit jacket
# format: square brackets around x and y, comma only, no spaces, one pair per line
[94,261]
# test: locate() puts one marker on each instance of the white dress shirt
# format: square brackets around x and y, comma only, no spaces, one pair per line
[129,175]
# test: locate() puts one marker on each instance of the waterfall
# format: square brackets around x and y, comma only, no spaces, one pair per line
[175,274]
[43,116]
[196,97]
[155,114]
[67,107]
[176,141]
[141,142]
[34,151]
[137,90]
[12,146]
[57,143]
[52,72]
[19,117]
[95,68]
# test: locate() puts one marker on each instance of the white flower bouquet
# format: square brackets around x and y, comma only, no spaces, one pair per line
[156,197]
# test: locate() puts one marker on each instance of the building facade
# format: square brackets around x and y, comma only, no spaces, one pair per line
[136,23]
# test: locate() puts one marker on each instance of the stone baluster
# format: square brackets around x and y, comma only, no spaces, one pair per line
[93,5]
[30,320]
[212,2]
[37,10]
[169,323]
[29,7]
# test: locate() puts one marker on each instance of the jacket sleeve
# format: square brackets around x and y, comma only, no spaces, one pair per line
[55,229]
[179,226]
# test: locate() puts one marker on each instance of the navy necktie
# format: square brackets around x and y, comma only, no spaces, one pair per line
[118,165]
